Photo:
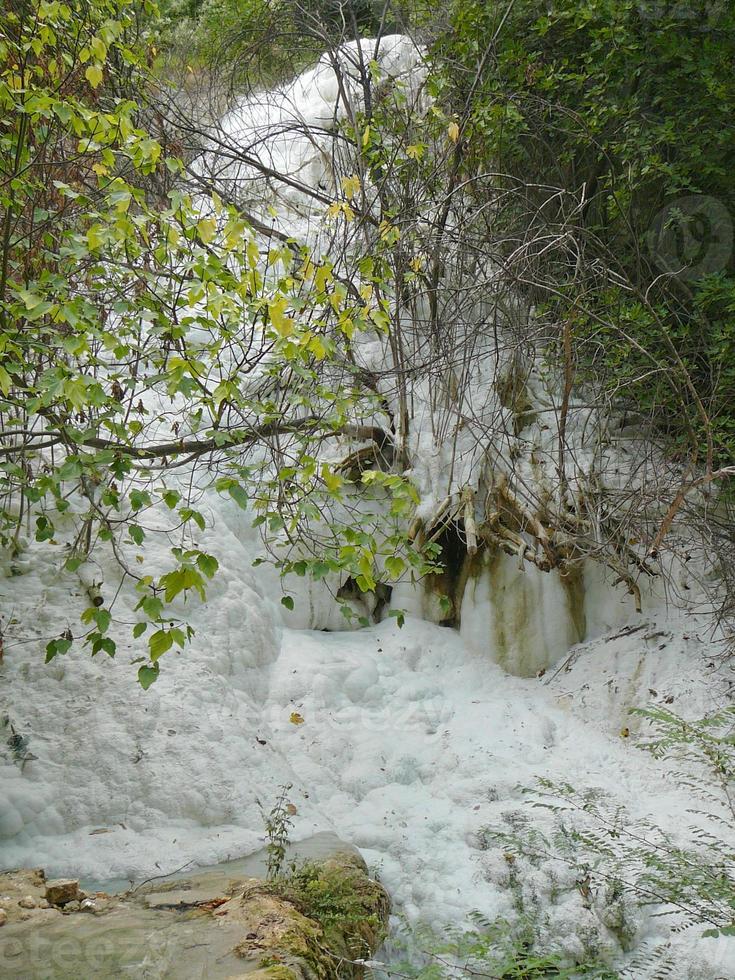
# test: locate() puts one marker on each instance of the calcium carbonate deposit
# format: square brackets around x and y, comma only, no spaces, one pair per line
[407,742]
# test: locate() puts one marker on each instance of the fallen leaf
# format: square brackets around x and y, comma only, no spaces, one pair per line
[296,718]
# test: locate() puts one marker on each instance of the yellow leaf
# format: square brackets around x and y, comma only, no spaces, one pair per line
[453,132]
[332,480]
[253,254]
[341,207]
[625,733]
[282,324]
[351,186]
[99,48]
[100,169]
[296,719]
[322,277]
[389,233]
[317,348]
[95,236]
[415,151]
[93,74]
[206,229]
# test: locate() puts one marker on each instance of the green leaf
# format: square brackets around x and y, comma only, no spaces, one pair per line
[159,643]
[57,647]
[399,615]
[188,514]
[287,601]
[139,499]
[395,566]
[44,529]
[139,629]
[102,617]
[152,606]
[171,498]
[5,381]
[177,636]
[103,643]
[208,564]
[147,676]
[70,469]
[181,580]
[239,496]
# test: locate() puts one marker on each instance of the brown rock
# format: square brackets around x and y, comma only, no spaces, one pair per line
[62,890]
[3,917]
[27,902]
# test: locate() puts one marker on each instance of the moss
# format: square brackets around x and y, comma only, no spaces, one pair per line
[351,908]
[311,924]
[572,578]
[274,971]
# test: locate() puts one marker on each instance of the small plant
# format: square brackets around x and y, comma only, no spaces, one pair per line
[617,855]
[278,824]
[616,862]
[496,948]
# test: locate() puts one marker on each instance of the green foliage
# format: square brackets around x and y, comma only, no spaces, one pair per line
[693,884]
[493,948]
[263,42]
[142,331]
[350,908]
[611,120]
[278,824]
[330,896]
[705,748]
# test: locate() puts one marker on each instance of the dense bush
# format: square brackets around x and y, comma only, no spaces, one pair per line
[614,117]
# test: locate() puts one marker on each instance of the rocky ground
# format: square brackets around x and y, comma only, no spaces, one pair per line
[216,923]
